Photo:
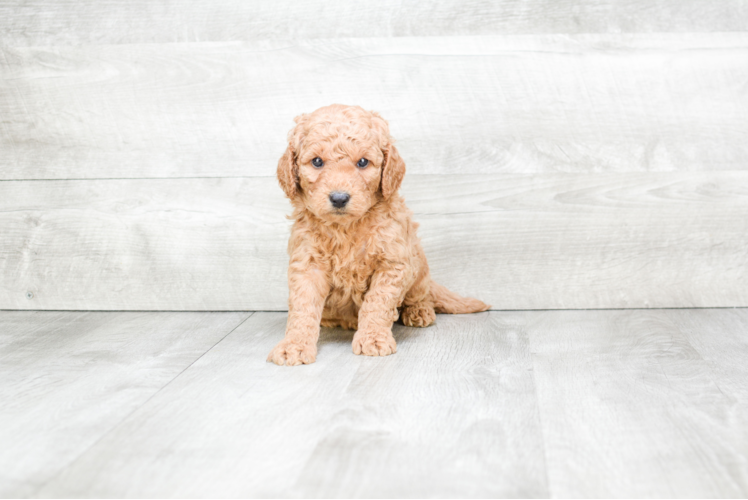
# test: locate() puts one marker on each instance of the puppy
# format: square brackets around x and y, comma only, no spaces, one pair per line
[355,258]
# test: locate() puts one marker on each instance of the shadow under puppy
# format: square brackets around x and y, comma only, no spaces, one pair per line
[355,258]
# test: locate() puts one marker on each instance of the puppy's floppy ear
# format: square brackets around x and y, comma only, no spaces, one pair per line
[288,172]
[393,167]
[393,171]
[288,169]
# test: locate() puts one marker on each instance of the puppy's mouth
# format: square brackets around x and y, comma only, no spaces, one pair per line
[342,214]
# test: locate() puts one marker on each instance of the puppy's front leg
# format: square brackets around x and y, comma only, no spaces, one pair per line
[308,288]
[378,312]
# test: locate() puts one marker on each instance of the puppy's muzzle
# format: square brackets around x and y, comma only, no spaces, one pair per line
[339,199]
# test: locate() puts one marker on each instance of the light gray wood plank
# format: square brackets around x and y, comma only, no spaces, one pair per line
[44,22]
[474,104]
[630,409]
[517,242]
[451,414]
[169,244]
[721,339]
[232,425]
[625,406]
[68,378]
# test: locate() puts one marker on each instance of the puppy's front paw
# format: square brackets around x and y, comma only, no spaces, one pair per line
[374,343]
[293,352]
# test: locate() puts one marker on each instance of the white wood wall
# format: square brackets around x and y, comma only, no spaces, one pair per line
[571,154]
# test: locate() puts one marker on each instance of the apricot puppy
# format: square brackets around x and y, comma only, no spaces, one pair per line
[355,258]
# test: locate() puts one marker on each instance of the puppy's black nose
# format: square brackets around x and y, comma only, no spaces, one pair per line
[339,199]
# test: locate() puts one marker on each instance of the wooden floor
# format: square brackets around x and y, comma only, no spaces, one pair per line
[603,403]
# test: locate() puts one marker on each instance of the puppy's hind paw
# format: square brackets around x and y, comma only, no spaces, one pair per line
[419,315]
[293,353]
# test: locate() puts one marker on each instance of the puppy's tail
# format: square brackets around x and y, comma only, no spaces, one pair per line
[446,301]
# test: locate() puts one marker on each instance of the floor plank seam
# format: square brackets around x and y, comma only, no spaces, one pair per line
[126,417]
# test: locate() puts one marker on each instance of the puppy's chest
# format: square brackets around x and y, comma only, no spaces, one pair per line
[351,266]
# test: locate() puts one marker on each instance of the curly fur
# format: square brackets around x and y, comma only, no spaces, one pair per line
[361,266]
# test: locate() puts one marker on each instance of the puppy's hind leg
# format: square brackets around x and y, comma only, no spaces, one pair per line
[418,305]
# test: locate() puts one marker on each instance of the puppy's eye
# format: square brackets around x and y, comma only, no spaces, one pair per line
[317,162]
[362,163]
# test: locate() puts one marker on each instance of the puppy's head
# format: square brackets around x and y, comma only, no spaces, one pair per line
[340,162]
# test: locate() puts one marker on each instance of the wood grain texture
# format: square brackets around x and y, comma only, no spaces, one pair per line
[472,104]
[67,379]
[518,242]
[169,244]
[630,409]
[451,414]
[45,22]
[635,403]
[231,426]
[720,339]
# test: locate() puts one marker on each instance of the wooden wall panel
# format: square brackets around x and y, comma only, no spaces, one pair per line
[50,22]
[205,244]
[593,103]
[594,151]
[516,241]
